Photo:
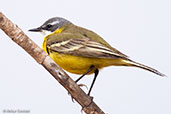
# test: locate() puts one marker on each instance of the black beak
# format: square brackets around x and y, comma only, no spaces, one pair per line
[35,29]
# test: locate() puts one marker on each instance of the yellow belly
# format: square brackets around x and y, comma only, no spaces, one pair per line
[79,65]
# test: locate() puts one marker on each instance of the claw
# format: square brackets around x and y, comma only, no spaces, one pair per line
[83,85]
[71,97]
[80,85]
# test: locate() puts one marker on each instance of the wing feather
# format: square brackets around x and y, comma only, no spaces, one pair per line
[83,47]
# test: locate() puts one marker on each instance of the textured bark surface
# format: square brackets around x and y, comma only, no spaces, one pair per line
[18,36]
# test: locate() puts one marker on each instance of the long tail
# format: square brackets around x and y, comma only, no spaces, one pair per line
[135,64]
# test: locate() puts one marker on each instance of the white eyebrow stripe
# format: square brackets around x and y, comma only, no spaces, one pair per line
[55,22]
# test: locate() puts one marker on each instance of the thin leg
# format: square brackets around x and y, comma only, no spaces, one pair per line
[95,76]
[89,70]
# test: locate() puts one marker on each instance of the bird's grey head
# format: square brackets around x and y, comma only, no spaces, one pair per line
[51,25]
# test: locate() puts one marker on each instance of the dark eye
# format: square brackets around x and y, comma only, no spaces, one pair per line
[49,26]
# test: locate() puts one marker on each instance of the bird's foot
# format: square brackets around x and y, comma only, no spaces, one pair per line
[80,85]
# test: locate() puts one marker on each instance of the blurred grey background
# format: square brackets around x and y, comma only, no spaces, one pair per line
[139,28]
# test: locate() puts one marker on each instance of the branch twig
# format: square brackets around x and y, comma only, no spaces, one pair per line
[18,36]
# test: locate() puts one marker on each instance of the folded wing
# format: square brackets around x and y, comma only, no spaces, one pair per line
[83,47]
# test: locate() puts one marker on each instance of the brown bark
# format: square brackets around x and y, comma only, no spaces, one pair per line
[18,36]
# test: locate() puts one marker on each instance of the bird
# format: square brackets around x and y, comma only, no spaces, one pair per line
[82,51]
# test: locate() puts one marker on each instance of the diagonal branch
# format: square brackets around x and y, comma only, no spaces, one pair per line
[18,36]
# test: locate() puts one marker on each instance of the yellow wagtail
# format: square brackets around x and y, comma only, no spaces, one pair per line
[81,51]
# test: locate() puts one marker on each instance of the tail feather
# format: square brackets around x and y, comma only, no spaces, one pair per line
[139,65]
